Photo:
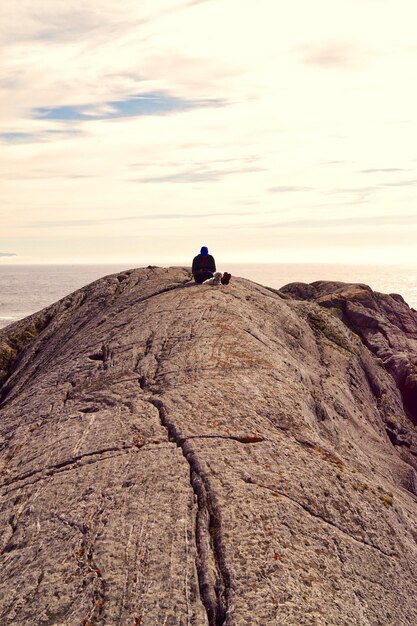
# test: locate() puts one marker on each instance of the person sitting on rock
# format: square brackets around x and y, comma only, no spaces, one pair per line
[203,267]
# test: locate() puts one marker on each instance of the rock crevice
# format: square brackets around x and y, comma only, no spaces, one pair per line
[213,574]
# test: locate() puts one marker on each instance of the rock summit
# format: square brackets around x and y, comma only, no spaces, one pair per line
[182,455]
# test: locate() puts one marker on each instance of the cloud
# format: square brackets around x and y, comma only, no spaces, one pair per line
[364,191]
[18,137]
[383,170]
[40,174]
[7,254]
[374,221]
[335,162]
[402,183]
[98,222]
[144,104]
[132,218]
[27,23]
[288,189]
[141,84]
[198,175]
[333,55]
[357,190]
[196,163]
[21,137]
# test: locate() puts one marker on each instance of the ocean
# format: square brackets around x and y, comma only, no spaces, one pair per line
[25,289]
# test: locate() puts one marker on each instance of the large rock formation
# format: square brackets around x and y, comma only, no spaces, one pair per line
[386,325]
[174,454]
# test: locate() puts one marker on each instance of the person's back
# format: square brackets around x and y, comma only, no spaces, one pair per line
[203,266]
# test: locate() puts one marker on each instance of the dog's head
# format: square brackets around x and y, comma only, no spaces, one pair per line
[217,277]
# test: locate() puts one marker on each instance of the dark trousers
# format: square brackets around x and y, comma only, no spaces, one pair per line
[200,278]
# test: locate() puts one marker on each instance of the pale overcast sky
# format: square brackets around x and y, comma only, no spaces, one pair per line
[270,131]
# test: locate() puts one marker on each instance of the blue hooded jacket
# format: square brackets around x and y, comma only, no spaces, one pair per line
[203,262]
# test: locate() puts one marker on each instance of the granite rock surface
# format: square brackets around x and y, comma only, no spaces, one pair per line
[184,455]
[388,327]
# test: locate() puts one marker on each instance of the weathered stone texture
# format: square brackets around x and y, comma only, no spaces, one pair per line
[175,454]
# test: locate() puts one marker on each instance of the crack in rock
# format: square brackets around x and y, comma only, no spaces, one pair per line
[67,468]
[213,574]
[49,470]
[323,519]
[246,438]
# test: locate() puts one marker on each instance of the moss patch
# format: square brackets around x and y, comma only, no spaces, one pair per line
[387,500]
[322,326]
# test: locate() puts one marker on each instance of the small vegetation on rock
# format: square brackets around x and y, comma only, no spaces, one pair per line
[325,328]
[387,500]
[361,487]
[316,396]
[329,457]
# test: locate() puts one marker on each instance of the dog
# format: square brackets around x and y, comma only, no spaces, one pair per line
[216,280]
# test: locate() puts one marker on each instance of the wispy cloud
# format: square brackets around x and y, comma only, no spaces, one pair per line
[27,23]
[412,182]
[361,191]
[335,162]
[384,170]
[7,254]
[288,189]
[356,190]
[144,104]
[374,221]
[20,137]
[133,218]
[333,55]
[108,110]
[198,175]
[198,163]
[98,222]
[39,174]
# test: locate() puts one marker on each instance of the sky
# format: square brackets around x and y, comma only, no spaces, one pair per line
[269,131]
